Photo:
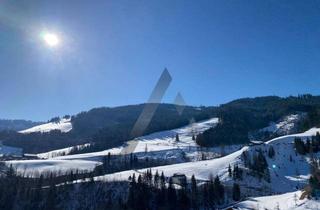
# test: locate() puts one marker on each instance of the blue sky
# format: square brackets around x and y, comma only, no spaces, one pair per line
[112,52]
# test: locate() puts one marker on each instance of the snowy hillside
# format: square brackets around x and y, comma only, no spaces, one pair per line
[287,201]
[60,152]
[64,125]
[159,145]
[285,175]
[201,169]
[285,126]
[162,144]
[288,170]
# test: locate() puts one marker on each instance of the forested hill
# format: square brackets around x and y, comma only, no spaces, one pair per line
[105,127]
[241,116]
[109,127]
[165,117]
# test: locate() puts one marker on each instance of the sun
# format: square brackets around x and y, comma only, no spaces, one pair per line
[51,39]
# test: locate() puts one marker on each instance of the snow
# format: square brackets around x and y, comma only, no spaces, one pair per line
[289,171]
[285,175]
[285,126]
[160,145]
[286,201]
[36,167]
[202,170]
[60,152]
[165,140]
[64,125]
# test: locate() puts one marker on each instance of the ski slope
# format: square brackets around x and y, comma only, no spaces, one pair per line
[285,175]
[160,145]
[285,126]
[202,170]
[286,201]
[60,152]
[64,125]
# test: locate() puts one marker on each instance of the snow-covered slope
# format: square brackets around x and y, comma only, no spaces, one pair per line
[159,145]
[201,169]
[64,125]
[286,201]
[286,125]
[61,152]
[285,175]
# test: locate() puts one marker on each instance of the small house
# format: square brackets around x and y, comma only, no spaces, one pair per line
[179,179]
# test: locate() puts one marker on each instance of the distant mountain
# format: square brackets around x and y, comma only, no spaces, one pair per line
[17,125]
[104,127]
[240,117]
[109,127]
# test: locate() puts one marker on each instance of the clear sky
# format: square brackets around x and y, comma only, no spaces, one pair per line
[112,52]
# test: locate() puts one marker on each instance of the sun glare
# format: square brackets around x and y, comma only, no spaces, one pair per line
[51,39]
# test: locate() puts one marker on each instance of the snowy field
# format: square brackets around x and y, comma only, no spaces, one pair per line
[201,169]
[285,175]
[159,145]
[60,152]
[285,126]
[64,125]
[286,201]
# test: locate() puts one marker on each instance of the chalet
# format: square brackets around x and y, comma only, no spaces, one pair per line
[179,179]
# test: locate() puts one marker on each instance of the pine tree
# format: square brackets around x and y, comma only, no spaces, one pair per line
[236,192]
[146,148]
[211,192]
[51,201]
[271,152]
[299,146]
[177,138]
[194,193]
[219,190]
[132,192]
[230,171]
[156,180]
[172,196]
[162,181]
[183,201]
